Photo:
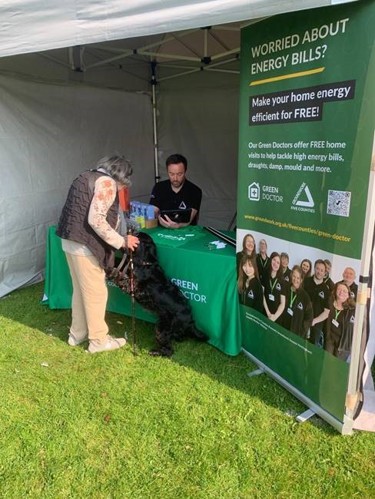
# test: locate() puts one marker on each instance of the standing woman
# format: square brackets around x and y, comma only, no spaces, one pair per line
[263,262]
[248,248]
[306,267]
[249,287]
[340,323]
[298,312]
[88,228]
[274,289]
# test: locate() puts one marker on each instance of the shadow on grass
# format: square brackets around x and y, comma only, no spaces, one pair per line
[24,307]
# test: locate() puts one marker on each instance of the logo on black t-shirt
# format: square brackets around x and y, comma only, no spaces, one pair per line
[182,206]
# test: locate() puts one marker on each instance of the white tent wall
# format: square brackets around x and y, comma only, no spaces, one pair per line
[48,134]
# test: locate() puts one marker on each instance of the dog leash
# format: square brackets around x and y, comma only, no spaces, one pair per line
[132,295]
[121,271]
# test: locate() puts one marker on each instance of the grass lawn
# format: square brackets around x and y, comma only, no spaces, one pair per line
[115,425]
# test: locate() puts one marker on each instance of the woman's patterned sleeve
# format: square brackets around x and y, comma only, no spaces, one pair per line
[104,197]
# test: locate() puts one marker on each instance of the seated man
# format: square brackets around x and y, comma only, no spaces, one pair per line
[177,194]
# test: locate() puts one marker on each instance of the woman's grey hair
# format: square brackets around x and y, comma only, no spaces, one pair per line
[118,167]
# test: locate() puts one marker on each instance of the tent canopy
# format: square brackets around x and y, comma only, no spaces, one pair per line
[36,25]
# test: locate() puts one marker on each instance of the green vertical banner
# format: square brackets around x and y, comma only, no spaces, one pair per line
[305,148]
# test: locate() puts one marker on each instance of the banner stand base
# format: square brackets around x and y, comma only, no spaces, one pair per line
[345,428]
[304,416]
[256,372]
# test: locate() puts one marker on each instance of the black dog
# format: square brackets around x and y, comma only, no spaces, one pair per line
[156,293]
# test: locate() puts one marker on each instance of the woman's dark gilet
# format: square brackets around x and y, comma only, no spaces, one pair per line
[73,224]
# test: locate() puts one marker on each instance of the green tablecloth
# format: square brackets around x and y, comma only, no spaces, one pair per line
[205,274]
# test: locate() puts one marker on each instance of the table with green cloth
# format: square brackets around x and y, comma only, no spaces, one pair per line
[204,272]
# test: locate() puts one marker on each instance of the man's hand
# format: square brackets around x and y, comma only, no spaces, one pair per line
[165,221]
[132,242]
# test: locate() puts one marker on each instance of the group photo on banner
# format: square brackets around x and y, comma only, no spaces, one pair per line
[305,215]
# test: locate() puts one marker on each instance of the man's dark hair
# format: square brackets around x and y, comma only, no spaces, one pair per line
[174,159]
[319,261]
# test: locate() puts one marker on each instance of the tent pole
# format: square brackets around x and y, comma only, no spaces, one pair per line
[154,120]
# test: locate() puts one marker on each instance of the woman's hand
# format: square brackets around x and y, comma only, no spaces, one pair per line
[132,242]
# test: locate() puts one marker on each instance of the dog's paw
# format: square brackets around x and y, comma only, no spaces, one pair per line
[155,353]
[200,336]
[162,352]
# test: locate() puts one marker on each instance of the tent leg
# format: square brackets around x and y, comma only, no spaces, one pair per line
[154,120]
[232,221]
[304,416]
[256,372]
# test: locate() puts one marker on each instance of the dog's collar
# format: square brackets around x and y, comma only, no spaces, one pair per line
[124,264]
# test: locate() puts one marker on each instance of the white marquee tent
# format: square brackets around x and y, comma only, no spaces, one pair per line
[75,85]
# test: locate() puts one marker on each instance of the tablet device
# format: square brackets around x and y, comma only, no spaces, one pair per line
[178,216]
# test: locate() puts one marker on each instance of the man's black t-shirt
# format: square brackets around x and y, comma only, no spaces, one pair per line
[318,293]
[189,196]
